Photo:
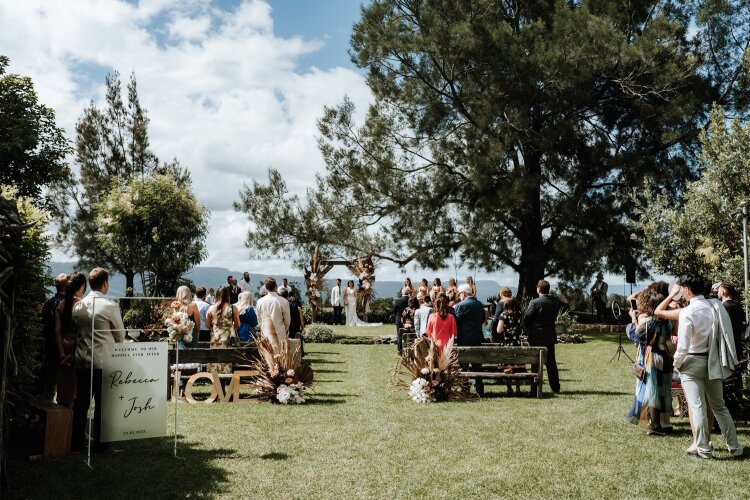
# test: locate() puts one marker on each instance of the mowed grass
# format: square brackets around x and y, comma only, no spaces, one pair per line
[356,438]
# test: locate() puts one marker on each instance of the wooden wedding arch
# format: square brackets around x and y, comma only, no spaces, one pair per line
[363,269]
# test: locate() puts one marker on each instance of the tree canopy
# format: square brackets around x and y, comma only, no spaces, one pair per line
[157,226]
[32,147]
[512,133]
[112,147]
[702,232]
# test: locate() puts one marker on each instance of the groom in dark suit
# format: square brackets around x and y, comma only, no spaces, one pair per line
[540,324]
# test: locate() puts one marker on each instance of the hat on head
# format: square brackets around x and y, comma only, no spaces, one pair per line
[600,275]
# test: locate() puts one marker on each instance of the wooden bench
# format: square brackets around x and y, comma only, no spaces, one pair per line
[499,356]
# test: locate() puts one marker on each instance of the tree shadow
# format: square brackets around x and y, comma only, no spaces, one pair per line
[142,469]
[324,362]
[590,392]
[329,371]
[274,456]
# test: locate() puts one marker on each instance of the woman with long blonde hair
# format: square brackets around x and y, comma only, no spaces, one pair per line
[184,303]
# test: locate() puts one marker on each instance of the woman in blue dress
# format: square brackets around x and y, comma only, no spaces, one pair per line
[653,393]
[248,318]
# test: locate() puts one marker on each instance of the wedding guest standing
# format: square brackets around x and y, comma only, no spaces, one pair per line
[422,315]
[65,339]
[733,386]
[540,323]
[599,297]
[234,290]
[508,331]
[407,316]
[284,286]
[185,304]
[399,306]
[424,287]
[337,302]
[470,282]
[204,334]
[705,356]
[273,315]
[248,318]
[245,284]
[51,361]
[210,296]
[452,292]
[408,288]
[469,320]
[437,289]
[296,319]
[441,326]
[222,319]
[108,326]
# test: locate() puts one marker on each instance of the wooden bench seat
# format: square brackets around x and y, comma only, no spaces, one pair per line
[495,359]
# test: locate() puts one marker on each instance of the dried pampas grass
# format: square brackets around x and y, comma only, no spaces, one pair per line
[279,369]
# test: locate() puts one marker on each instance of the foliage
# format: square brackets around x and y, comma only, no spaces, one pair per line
[381,310]
[324,315]
[510,132]
[32,146]
[318,333]
[574,294]
[112,147]
[32,253]
[566,319]
[157,225]
[702,233]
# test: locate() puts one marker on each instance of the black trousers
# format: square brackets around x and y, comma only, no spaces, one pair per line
[81,408]
[553,378]
[601,310]
[478,382]
[337,314]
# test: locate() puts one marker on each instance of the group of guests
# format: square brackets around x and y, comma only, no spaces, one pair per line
[68,316]
[686,335]
[461,316]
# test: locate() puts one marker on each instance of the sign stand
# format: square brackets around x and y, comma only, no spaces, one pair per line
[91,380]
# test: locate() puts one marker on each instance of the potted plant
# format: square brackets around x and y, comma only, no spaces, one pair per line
[564,321]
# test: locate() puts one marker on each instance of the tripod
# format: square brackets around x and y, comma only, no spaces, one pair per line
[616,312]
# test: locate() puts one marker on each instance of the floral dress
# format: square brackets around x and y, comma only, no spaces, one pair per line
[222,328]
[511,335]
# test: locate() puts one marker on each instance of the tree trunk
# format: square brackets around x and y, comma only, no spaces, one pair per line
[534,256]
[129,284]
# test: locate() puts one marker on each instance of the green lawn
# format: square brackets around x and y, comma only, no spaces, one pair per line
[357,438]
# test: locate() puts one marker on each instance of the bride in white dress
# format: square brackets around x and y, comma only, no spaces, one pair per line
[350,297]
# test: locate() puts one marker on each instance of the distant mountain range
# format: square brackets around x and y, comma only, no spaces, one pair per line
[213,277]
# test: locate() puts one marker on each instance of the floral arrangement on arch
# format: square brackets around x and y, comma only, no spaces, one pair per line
[364,269]
[283,376]
[179,325]
[433,376]
[314,280]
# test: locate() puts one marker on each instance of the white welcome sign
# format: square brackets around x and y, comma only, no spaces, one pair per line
[134,391]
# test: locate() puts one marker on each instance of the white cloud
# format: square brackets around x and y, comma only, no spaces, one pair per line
[225,95]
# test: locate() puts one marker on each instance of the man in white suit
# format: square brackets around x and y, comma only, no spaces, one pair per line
[337,302]
[108,328]
[273,315]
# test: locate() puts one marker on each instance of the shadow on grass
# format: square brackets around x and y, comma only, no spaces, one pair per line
[591,392]
[330,371]
[325,362]
[143,469]
[322,353]
[274,456]
[313,399]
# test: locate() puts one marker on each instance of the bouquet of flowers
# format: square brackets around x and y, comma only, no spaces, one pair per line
[180,327]
[283,377]
[433,376]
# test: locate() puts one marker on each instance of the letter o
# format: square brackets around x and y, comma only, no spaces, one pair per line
[189,388]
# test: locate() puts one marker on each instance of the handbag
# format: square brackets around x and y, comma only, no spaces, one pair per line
[639,371]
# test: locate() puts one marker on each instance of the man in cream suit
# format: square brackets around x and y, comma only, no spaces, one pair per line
[336,302]
[108,328]
[273,315]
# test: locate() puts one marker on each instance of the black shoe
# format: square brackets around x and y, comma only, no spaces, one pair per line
[744,456]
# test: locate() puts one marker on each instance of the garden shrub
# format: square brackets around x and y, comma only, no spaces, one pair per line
[318,333]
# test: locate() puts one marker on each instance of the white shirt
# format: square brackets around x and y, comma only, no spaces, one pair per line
[696,322]
[421,316]
[282,288]
[245,286]
[273,317]
[203,308]
[107,325]
[336,296]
